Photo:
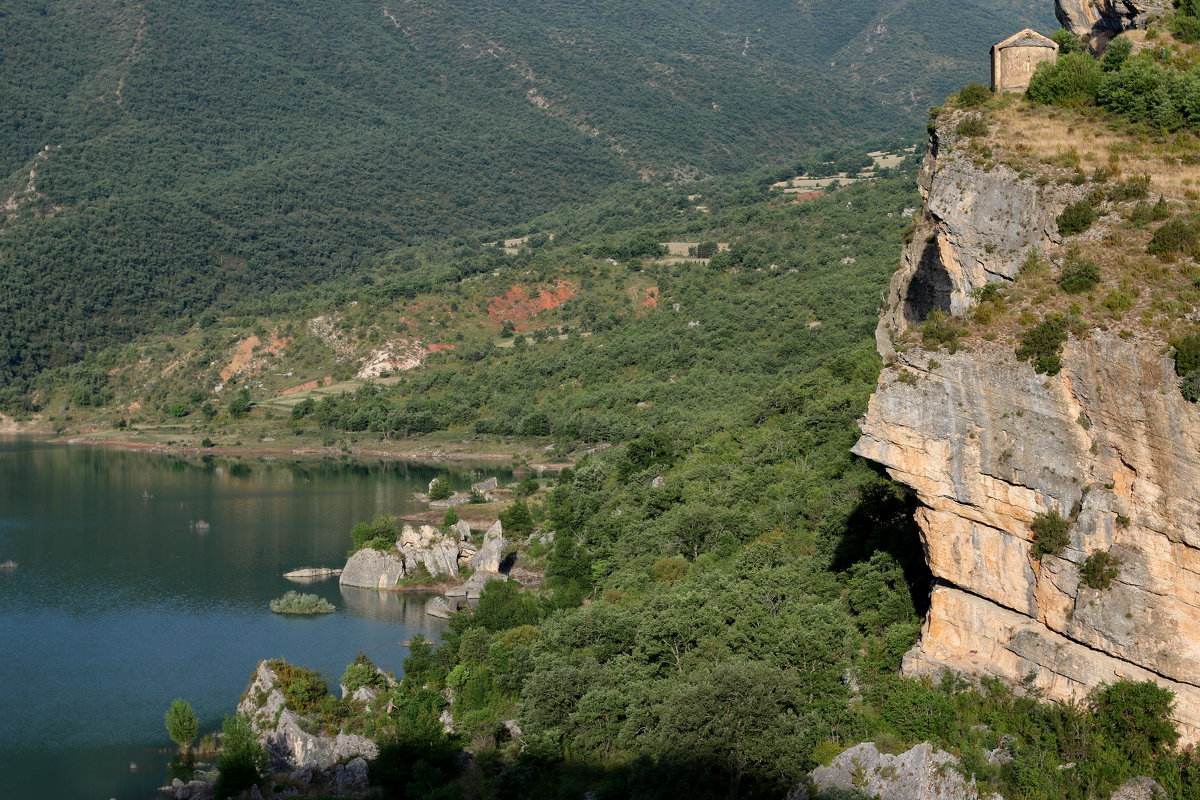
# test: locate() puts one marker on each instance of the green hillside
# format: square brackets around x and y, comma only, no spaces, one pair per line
[165,158]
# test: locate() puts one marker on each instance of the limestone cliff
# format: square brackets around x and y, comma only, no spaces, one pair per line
[1104,19]
[976,227]
[987,445]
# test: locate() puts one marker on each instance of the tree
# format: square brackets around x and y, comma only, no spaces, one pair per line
[181,722]
[439,490]
[242,759]
[239,406]
[516,518]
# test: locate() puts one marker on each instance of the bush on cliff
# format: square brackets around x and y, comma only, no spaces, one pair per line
[1042,344]
[1076,218]
[1078,274]
[1176,237]
[1050,536]
[1099,570]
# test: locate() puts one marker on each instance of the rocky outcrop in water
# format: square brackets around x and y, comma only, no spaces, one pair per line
[372,569]
[284,733]
[987,445]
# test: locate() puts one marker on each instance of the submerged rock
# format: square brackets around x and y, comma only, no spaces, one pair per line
[311,572]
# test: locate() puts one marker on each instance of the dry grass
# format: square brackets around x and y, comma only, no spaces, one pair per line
[1044,134]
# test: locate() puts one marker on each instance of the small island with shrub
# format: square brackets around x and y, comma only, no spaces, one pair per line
[296,603]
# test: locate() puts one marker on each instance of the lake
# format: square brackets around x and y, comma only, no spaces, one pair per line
[119,603]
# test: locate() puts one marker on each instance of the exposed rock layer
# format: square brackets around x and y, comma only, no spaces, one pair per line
[976,228]
[1106,18]
[987,445]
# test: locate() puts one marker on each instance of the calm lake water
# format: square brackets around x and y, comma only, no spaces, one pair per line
[119,604]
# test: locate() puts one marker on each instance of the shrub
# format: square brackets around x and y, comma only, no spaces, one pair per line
[1121,300]
[240,405]
[1078,274]
[242,759]
[1099,570]
[1116,54]
[295,603]
[971,125]
[1067,42]
[1042,344]
[1189,387]
[1134,188]
[439,490]
[1187,354]
[1073,80]
[938,330]
[362,672]
[450,517]
[973,95]
[1144,213]
[1050,535]
[516,518]
[1076,218]
[1138,715]
[1187,29]
[1175,237]
[181,722]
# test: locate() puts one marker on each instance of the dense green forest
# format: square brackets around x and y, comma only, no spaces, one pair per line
[187,156]
[728,591]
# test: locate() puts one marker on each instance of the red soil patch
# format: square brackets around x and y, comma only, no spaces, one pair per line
[304,387]
[650,297]
[517,305]
[440,348]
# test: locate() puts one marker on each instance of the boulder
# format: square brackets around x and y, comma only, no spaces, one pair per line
[438,607]
[483,487]
[472,588]
[409,537]
[487,559]
[461,530]
[372,569]
[921,773]
[1139,788]
[282,731]
[351,777]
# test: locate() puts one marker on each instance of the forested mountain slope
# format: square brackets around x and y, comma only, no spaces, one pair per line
[162,158]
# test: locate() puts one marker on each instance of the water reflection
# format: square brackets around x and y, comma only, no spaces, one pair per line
[123,600]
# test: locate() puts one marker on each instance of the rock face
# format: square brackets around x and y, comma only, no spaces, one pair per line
[1104,19]
[280,729]
[987,445]
[372,569]
[976,228]
[425,548]
[921,773]
[487,559]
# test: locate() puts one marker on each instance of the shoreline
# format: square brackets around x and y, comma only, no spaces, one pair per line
[422,453]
